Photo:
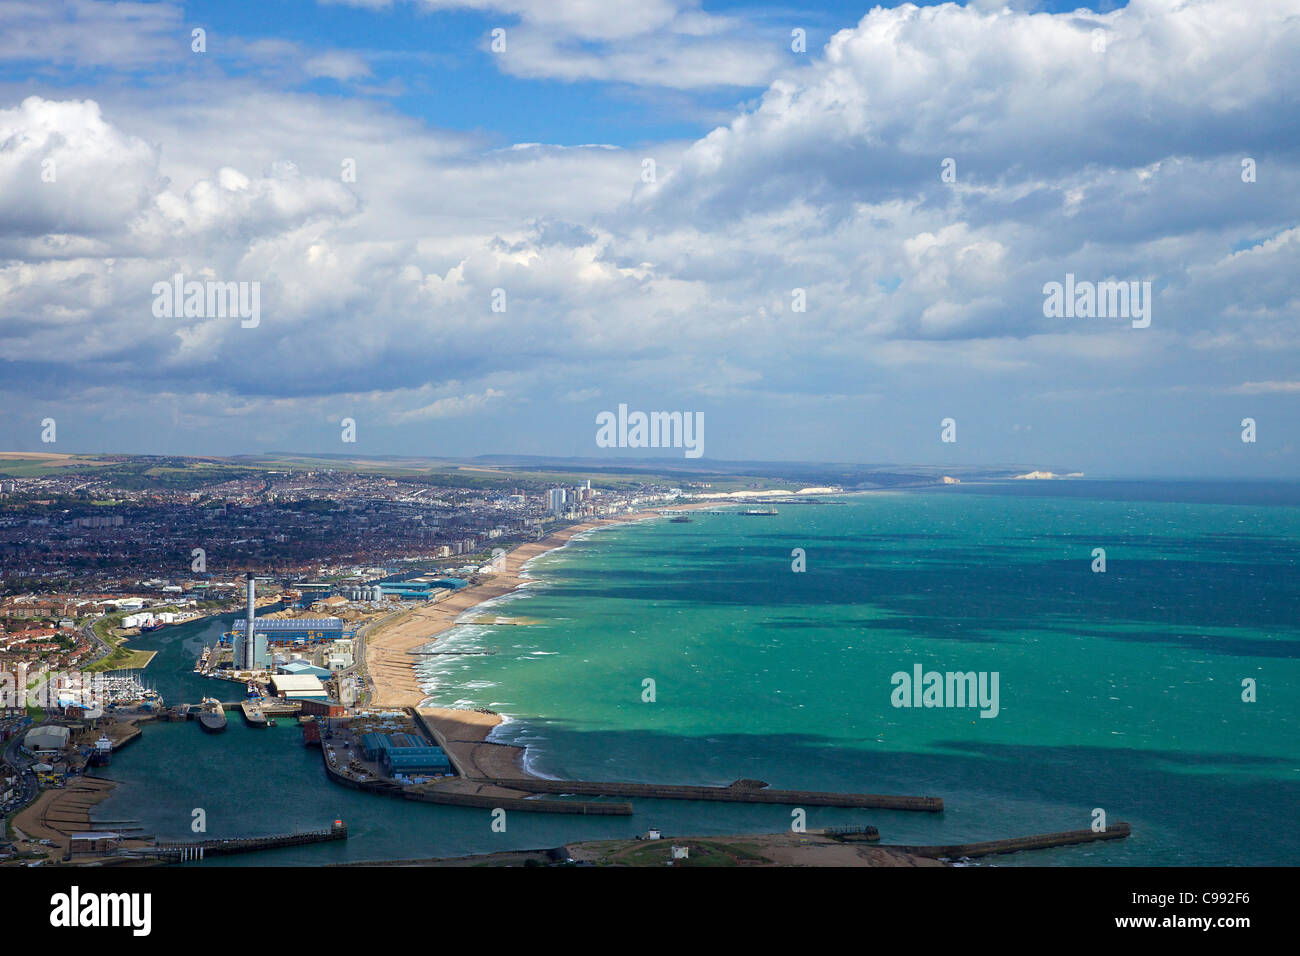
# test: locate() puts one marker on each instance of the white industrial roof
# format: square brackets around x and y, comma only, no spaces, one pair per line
[46,738]
[292,682]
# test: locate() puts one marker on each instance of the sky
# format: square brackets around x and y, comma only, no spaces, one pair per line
[472,226]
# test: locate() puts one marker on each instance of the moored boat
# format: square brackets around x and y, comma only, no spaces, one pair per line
[212,718]
[102,755]
[253,714]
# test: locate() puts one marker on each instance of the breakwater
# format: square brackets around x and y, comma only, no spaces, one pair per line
[579,807]
[464,741]
[1042,841]
[444,795]
[739,792]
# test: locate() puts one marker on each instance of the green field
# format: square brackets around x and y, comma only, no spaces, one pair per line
[146,473]
[121,657]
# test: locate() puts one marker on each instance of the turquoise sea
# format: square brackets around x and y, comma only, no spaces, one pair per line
[1119,690]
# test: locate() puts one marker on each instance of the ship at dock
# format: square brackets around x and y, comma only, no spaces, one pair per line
[212,716]
[254,716]
[102,755]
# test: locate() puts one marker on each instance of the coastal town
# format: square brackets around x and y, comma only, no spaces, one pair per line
[95,557]
[331,586]
[335,579]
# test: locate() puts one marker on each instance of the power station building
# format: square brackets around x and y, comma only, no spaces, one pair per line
[294,630]
[252,639]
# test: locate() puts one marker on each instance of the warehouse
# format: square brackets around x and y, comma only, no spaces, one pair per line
[298,687]
[301,668]
[372,745]
[415,760]
[46,739]
[322,708]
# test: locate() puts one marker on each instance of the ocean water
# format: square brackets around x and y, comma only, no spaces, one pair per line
[1120,691]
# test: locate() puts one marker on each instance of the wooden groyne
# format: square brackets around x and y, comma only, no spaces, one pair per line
[1042,841]
[739,792]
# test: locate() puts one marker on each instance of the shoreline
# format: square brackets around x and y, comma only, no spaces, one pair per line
[390,667]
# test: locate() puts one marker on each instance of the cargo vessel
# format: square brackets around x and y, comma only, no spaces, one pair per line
[253,714]
[102,755]
[212,717]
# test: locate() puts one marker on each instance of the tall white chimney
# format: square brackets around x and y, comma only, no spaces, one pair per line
[250,644]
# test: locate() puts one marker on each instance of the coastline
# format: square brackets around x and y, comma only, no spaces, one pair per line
[390,667]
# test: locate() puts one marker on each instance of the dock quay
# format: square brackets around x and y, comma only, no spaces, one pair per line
[1042,841]
[254,716]
[742,791]
[200,849]
[258,712]
[272,707]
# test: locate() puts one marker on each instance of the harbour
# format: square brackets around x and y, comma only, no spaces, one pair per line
[957,778]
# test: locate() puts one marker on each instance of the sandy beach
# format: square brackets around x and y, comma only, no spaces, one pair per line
[57,814]
[390,667]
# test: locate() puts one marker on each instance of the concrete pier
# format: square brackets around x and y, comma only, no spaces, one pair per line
[201,849]
[253,714]
[731,794]
[463,736]
[1042,841]
[473,793]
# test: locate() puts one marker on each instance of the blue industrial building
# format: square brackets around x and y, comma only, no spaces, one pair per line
[304,669]
[416,760]
[405,753]
[301,630]
[411,590]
